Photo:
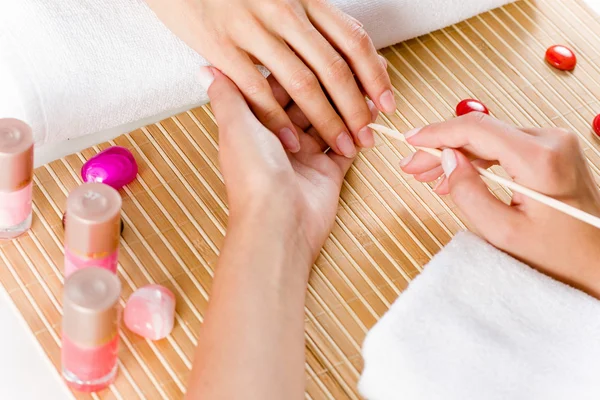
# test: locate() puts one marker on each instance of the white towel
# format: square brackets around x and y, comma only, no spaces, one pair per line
[78,67]
[477,324]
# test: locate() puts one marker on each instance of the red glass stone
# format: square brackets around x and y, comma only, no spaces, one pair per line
[561,57]
[469,105]
[596,125]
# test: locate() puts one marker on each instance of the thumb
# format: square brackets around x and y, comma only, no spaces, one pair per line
[490,217]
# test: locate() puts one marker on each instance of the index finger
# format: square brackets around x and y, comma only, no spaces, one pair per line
[483,136]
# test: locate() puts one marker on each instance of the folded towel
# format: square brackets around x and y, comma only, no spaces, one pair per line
[72,68]
[477,324]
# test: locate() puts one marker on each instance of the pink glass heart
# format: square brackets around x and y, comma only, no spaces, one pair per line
[150,312]
[114,166]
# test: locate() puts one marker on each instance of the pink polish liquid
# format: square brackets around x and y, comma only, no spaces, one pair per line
[89,369]
[90,329]
[92,228]
[16,175]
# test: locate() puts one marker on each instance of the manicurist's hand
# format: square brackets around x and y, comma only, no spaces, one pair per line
[282,207]
[549,161]
[321,56]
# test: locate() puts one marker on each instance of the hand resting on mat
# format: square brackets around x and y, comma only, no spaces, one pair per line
[323,58]
[282,207]
[547,160]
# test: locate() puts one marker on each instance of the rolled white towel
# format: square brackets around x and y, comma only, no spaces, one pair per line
[72,68]
[478,324]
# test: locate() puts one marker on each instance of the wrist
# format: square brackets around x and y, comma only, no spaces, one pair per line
[270,240]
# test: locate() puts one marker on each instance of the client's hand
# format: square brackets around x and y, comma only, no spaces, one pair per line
[314,50]
[294,196]
[282,207]
[549,161]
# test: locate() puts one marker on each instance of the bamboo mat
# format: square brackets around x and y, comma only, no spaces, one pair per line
[388,225]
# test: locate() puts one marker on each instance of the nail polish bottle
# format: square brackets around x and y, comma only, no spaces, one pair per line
[16,176]
[92,228]
[90,329]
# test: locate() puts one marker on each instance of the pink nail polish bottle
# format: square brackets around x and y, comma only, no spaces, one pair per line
[92,228]
[16,176]
[90,329]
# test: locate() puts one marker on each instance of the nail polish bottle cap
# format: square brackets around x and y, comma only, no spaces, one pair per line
[16,155]
[93,220]
[91,309]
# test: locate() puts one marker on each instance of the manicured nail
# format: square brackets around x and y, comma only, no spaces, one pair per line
[439,182]
[355,20]
[373,109]
[205,77]
[449,161]
[406,160]
[388,102]
[365,137]
[289,140]
[346,145]
[412,132]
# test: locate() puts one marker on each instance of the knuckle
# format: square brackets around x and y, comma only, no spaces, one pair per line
[338,70]
[381,78]
[303,82]
[282,10]
[255,87]
[358,39]
[476,118]
[360,117]
[271,115]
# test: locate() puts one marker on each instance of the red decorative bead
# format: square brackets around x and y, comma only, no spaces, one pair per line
[596,125]
[561,57]
[469,105]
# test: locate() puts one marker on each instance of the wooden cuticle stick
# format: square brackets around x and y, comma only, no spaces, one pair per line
[515,187]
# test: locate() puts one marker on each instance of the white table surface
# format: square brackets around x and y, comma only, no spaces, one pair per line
[25,371]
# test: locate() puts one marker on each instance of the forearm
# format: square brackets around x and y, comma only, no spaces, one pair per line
[252,343]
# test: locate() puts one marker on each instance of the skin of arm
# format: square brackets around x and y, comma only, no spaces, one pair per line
[282,207]
[251,343]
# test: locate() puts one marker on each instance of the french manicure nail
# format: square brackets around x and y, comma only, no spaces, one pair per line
[449,161]
[365,137]
[439,182]
[289,140]
[373,109]
[205,77]
[412,133]
[346,145]
[406,160]
[388,102]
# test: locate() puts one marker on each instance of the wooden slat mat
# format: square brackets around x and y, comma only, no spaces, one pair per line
[388,225]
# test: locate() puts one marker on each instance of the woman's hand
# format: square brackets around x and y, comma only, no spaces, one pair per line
[282,207]
[314,50]
[291,194]
[549,161]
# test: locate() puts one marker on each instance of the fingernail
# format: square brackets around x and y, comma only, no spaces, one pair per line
[388,102]
[205,77]
[449,161]
[289,140]
[355,20]
[365,137]
[439,182]
[412,133]
[404,162]
[346,145]
[373,109]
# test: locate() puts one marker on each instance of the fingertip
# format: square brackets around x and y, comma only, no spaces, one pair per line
[206,77]
[373,109]
[290,140]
